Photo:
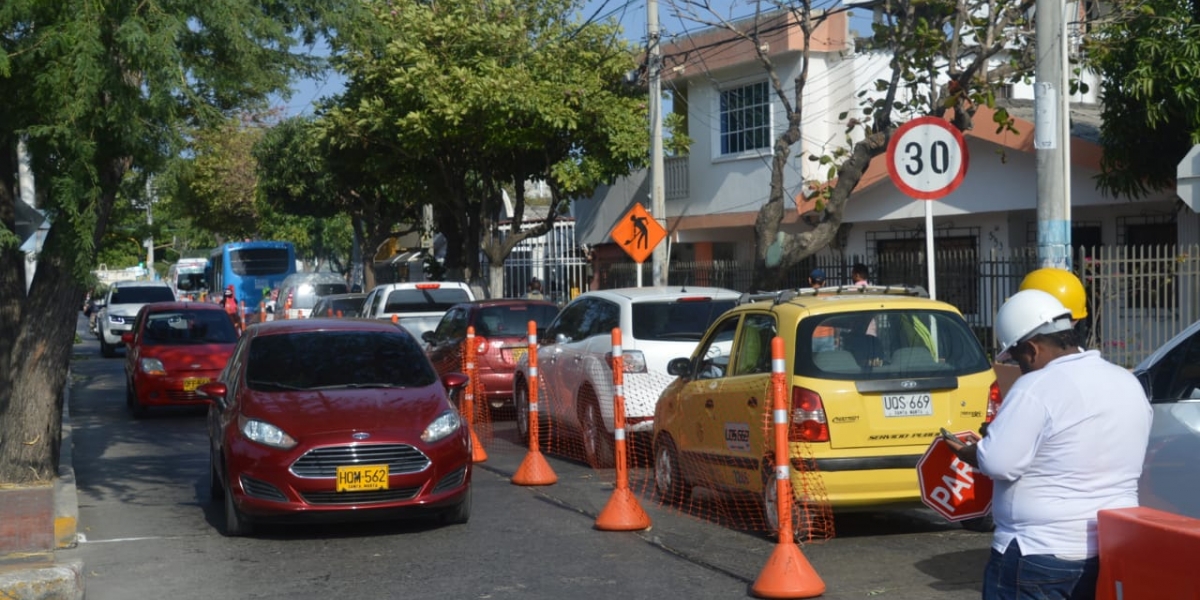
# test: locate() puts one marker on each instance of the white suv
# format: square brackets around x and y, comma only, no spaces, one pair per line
[121,305]
[418,306]
[575,386]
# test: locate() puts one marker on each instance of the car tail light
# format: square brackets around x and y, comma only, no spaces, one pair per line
[633,361]
[428,286]
[993,405]
[808,417]
[481,345]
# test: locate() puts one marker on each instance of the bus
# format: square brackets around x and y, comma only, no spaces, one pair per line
[252,268]
[187,278]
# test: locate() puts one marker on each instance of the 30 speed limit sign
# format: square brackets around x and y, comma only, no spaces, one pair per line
[927,158]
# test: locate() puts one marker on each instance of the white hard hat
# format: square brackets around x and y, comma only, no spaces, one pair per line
[1026,314]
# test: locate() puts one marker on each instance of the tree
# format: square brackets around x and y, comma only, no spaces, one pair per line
[471,97]
[1148,57]
[101,91]
[946,56]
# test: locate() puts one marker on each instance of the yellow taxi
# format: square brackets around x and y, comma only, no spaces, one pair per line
[873,373]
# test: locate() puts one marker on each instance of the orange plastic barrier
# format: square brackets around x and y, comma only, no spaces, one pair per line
[787,574]
[1147,553]
[468,399]
[622,513]
[534,469]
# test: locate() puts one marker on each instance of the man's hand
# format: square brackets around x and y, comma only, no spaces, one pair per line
[965,451]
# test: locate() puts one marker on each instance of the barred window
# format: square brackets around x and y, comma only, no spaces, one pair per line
[745,118]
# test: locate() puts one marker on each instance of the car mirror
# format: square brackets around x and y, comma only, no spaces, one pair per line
[455,381]
[680,367]
[427,337]
[213,392]
[127,338]
[561,339]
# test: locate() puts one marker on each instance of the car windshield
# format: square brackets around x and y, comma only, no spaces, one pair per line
[676,320]
[513,320]
[424,300]
[337,359]
[142,294]
[188,327]
[887,344]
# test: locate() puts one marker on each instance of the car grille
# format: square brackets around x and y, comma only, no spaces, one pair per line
[371,497]
[182,396]
[261,489]
[323,462]
[451,481]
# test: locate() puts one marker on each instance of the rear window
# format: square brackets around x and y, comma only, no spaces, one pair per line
[306,294]
[513,320]
[349,307]
[259,261]
[337,359]
[181,328]
[887,344]
[676,320]
[141,294]
[427,300]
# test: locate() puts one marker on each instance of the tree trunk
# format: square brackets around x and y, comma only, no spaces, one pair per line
[495,280]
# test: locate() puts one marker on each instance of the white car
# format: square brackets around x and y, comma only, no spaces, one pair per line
[575,385]
[418,307]
[1171,474]
[121,305]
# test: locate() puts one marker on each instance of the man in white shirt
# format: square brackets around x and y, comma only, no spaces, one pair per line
[1068,441]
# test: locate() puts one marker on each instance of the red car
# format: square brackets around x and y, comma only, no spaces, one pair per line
[335,419]
[501,337]
[173,348]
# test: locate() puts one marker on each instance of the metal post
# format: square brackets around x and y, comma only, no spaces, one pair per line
[657,202]
[1054,223]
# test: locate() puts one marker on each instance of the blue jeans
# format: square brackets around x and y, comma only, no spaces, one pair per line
[1010,576]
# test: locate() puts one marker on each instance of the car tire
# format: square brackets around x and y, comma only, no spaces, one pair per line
[983,524]
[135,408]
[106,350]
[669,483]
[216,491]
[598,445]
[236,523]
[769,504]
[460,513]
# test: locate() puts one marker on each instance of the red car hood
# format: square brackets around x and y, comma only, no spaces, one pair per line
[407,412]
[192,357]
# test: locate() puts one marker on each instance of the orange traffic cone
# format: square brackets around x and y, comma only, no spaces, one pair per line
[623,512]
[534,469]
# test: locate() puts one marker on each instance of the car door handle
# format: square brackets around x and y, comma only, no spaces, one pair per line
[708,403]
[752,402]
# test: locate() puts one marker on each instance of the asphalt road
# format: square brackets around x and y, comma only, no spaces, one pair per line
[148,530]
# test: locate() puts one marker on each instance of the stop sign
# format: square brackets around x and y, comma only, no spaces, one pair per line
[951,487]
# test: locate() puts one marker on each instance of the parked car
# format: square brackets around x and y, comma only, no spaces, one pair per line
[417,306]
[121,305]
[501,330]
[174,348]
[332,419]
[576,392]
[862,413]
[299,292]
[345,306]
[1171,474]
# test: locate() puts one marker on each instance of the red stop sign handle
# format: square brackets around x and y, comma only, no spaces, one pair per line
[952,488]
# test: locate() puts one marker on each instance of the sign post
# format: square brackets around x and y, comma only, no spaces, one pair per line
[638,233]
[951,487]
[927,159]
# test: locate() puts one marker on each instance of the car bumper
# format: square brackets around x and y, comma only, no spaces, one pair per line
[112,333]
[497,388]
[168,390]
[866,481]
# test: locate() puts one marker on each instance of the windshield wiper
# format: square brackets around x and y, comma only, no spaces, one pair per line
[357,386]
[274,384]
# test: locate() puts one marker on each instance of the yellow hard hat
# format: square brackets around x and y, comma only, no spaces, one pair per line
[1061,284]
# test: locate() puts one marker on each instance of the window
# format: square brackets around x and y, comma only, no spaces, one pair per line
[745,118]
[713,359]
[316,359]
[754,347]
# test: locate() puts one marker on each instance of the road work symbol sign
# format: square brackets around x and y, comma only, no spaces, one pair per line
[638,233]
[951,487]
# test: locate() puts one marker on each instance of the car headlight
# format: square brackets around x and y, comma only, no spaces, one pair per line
[153,366]
[265,433]
[116,319]
[446,424]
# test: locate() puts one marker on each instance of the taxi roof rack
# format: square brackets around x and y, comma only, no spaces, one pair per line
[781,296]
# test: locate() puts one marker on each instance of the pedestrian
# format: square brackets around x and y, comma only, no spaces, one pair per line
[1068,441]
[229,303]
[858,275]
[535,290]
[824,336]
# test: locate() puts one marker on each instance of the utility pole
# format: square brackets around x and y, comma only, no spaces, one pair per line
[658,206]
[151,274]
[1052,137]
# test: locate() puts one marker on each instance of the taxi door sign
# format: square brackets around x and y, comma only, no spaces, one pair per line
[638,233]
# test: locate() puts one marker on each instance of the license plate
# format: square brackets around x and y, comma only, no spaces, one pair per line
[907,405]
[191,383]
[518,353]
[362,478]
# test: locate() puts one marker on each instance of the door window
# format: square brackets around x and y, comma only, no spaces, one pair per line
[1177,375]
[712,358]
[754,346]
[570,322]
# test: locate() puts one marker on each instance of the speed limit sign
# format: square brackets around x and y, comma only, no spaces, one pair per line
[927,158]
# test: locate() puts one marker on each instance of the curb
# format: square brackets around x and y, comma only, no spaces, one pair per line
[50,580]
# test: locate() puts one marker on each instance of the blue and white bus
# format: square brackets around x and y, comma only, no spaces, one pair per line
[252,268]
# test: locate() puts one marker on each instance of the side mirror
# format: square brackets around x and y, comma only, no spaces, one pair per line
[455,382]
[561,339]
[427,337]
[127,337]
[213,392]
[680,367]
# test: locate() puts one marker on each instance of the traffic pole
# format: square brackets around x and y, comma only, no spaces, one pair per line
[468,399]
[622,513]
[787,574]
[534,469]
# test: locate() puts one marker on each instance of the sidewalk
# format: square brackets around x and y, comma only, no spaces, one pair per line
[40,575]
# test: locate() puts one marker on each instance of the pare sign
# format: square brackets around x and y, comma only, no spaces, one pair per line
[951,487]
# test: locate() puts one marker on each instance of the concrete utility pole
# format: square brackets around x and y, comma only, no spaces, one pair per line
[1052,145]
[658,206]
[151,274]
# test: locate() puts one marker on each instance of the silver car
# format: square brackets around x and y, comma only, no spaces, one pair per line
[1171,475]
